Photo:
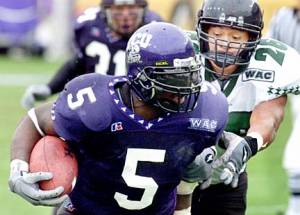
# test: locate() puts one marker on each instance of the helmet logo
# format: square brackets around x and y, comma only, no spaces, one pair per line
[133,54]
[137,41]
[239,20]
[141,39]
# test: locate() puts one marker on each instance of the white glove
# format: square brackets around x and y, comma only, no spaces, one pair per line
[238,151]
[35,93]
[26,185]
[200,170]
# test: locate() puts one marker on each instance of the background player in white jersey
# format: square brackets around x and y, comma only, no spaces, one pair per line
[285,26]
[101,36]
[255,75]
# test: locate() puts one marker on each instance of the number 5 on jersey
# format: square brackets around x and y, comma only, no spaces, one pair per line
[132,180]
[80,96]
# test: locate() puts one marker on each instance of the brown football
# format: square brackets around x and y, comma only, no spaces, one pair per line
[51,154]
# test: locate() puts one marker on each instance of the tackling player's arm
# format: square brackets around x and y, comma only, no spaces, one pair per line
[264,123]
[266,119]
[21,181]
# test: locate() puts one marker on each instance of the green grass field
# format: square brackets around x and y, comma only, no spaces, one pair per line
[267,180]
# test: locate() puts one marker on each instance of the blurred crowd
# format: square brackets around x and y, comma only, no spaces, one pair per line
[44,27]
[36,27]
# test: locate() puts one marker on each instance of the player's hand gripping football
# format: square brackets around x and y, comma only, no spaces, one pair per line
[200,170]
[238,151]
[35,93]
[26,185]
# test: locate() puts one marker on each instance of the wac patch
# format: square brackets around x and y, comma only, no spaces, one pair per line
[258,75]
[203,124]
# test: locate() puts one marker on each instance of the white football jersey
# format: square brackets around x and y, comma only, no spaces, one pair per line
[272,72]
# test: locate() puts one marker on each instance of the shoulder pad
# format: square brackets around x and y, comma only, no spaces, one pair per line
[86,95]
[88,15]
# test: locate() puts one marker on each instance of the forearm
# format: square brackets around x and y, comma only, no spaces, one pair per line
[30,130]
[266,119]
[24,140]
[264,123]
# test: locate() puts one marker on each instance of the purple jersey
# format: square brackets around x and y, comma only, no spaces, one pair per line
[128,165]
[98,47]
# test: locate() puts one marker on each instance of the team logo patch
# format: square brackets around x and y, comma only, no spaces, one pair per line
[259,75]
[133,55]
[209,158]
[203,124]
[117,126]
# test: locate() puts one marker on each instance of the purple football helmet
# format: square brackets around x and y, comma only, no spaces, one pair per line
[161,61]
[244,15]
[124,16]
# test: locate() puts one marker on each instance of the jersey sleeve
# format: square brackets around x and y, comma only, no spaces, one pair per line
[81,108]
[82,25]
[67,123]
[273,71]
[286,76]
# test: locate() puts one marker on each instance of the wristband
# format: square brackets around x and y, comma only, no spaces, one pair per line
[259,139]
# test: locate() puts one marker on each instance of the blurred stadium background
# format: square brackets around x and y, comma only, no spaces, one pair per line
[43,27]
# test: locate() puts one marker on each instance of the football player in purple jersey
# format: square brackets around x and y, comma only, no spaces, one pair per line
[101,35]
[134,136]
